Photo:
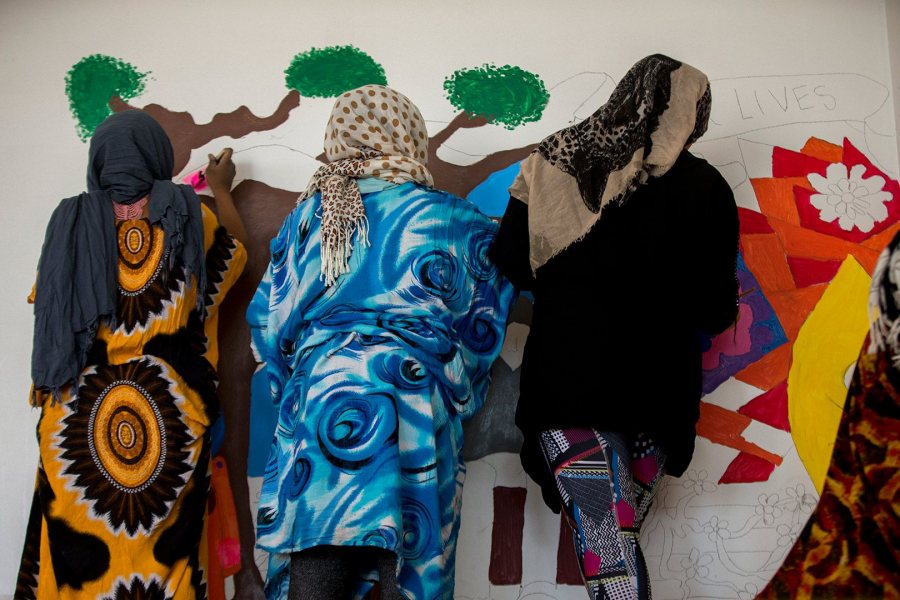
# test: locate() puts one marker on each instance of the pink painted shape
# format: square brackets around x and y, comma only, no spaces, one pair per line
[229,552]
[731,342]
[770,408]
[809,271]
[196,180]
[746,468]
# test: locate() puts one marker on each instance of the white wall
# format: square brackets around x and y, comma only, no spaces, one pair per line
[208,57]
[892,23]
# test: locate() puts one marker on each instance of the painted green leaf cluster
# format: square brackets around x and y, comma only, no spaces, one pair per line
[92,82]
[331,71]
[505,95]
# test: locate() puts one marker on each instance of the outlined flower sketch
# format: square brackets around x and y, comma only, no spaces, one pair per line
[716,528]
[696,565]
[799,499]
[845,195]
[696,482]
[768,508]
[787,534]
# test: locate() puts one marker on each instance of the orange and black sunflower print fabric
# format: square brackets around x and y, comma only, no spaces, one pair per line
[120,500]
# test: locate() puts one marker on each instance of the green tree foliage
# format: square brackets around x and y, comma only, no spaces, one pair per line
[92,82]
[507,95]
[331,71]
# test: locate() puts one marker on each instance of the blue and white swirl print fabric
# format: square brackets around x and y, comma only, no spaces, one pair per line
[372,378]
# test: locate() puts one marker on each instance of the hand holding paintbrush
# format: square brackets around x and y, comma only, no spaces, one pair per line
[220,171]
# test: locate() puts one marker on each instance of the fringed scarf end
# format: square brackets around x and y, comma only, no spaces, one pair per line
[336,253]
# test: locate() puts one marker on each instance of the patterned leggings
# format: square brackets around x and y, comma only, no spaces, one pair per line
[606,483]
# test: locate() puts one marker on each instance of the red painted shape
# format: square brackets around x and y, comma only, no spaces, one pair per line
[853,157]
[809,215]
[746,468]
[809,271]
[567,570]
[753,222]
[506,536]
[787,163]
[809,218]
[770,408]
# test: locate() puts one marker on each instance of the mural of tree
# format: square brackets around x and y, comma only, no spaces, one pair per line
[507,96]
[329,72]
[98,85]
[90,84]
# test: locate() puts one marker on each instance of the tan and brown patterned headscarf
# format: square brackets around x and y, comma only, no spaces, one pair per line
[659,107]
[373,131]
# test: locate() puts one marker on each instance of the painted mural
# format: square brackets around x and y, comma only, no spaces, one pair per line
[814,215]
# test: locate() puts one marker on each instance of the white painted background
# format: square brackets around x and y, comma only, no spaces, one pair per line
[208,57]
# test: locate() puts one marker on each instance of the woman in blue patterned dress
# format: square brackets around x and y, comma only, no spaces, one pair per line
[377,323]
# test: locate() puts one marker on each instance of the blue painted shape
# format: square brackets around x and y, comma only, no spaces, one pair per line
[492,194]
[217,435]
[262,424]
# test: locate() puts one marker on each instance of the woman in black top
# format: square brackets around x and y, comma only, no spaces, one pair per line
[629,244]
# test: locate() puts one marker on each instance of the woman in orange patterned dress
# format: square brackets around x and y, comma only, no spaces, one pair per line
[130,280]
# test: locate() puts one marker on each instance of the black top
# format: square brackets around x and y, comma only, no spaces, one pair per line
[614,341]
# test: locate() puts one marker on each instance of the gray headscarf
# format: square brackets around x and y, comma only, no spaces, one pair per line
[130,156]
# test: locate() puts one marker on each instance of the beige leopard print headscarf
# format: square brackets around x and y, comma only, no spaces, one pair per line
[373,131]
[659,107]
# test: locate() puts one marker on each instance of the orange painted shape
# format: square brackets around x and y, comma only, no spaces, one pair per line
[823,150]
[768,371]
[879,241]
[806,243]
[765,258]
[794,306]
[722,426]
[776,197]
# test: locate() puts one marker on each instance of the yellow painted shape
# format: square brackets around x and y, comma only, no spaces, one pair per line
[827,344]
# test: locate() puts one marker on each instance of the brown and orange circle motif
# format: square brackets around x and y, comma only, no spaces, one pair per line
[146,279]
[126,434]
[127,444]
[141,253]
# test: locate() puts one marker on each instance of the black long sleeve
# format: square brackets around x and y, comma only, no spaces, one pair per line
[510,250]
[715,285]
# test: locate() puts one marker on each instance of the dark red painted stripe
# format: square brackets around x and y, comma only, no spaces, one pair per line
[506,536]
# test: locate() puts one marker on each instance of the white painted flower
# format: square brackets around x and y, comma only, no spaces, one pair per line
[848,197]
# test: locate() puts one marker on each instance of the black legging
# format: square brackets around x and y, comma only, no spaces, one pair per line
[333,572]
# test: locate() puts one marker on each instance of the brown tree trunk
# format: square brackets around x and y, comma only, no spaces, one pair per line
[462,179]
[262,209]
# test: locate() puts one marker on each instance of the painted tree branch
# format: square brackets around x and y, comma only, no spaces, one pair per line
[186,134]
[462,179]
